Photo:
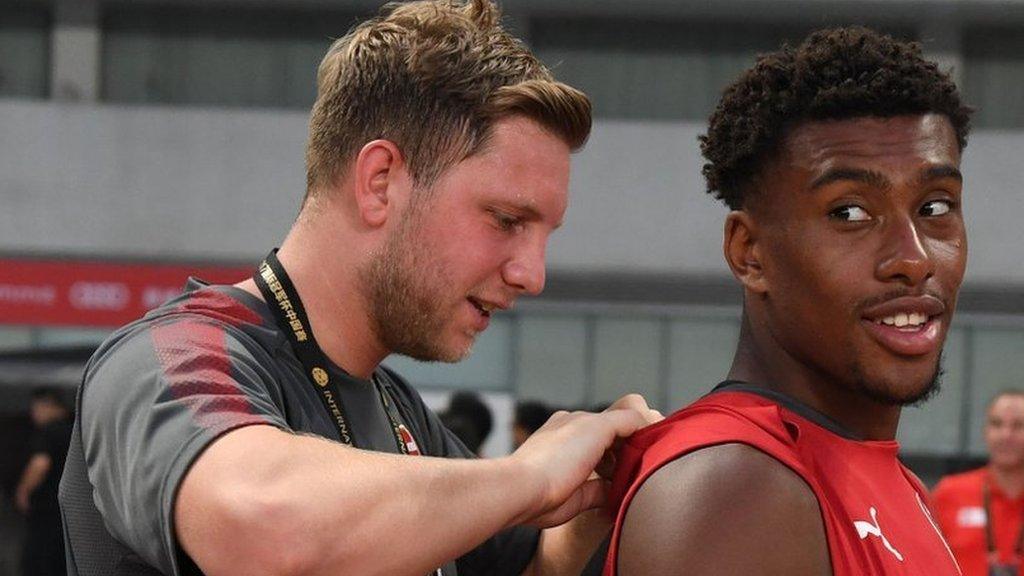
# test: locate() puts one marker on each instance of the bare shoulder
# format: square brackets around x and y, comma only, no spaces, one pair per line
[727,509]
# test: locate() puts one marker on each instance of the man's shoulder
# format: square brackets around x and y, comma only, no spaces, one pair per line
[207,341]
[725,412]
[199,316]
[719,439]
[216,303]
[721,499]
[716,475]
[722,418]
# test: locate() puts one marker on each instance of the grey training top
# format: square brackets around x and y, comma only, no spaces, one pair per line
[159,390]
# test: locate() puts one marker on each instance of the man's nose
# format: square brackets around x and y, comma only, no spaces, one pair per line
[526,270]
[905,258]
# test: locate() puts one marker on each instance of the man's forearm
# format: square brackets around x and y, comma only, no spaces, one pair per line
[324,505]
[33,475]
[263,501]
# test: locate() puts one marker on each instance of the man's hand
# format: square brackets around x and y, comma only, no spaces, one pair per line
[561,456]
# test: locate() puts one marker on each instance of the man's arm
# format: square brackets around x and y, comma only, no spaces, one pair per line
[263,501]
[35,472]
[728,509]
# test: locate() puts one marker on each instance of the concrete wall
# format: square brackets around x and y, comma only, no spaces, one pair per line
[217,184]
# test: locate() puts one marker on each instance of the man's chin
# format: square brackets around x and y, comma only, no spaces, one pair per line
[448,353]
[1009,463]
[903,390]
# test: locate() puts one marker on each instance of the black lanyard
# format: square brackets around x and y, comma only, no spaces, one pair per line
[290,314]
[990,541]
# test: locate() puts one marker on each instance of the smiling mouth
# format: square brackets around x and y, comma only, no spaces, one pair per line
[905,321]
[484,309]
[907,325]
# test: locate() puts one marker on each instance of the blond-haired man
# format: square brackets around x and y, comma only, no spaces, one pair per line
[240,429]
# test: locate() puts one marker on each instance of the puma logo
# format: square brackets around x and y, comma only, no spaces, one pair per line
[865,529]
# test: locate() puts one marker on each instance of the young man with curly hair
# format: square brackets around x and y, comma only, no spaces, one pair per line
[840,162]
[250,429]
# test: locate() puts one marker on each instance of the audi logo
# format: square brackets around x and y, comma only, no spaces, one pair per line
[99,295]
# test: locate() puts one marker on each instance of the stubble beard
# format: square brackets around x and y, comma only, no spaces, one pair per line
[891,394]
[405,292]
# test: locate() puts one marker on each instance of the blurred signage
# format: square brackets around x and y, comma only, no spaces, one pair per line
[84,293]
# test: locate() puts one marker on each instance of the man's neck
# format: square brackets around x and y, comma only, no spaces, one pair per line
[759,360]
[330,292]
[1009,479]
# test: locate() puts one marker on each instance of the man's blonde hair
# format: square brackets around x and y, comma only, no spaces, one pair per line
[432,76]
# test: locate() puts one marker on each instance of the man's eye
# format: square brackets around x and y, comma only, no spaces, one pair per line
[506,222]
[936,208]
[850,213]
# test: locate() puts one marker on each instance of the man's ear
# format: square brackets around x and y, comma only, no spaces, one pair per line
[742,247]
[379,172]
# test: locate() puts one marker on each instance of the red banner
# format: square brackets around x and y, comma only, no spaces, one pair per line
[81,293]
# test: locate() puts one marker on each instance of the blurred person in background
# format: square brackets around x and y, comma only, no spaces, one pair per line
[36,493]
[469,418]
[250,429]
[529,417]
[839,160]
[981,512]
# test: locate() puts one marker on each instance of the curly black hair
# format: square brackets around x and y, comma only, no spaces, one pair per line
[834,74]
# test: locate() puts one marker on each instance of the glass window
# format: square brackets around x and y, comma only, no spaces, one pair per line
[59,337]
[15,338]
[998,364]
[488,366]
[701,354]
[25,44]
[552,362]
[993,76]
[655,69]
[934,427]
[213,56]
[627,358]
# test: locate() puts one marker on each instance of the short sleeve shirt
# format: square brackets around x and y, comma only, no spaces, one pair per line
[160,390]
[960,511]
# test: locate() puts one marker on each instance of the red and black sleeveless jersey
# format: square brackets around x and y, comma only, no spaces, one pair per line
[874,509]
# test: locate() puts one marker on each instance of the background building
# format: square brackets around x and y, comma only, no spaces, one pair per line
[171,132]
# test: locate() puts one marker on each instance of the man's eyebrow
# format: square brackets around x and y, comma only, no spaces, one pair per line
[869,177]
[939,172]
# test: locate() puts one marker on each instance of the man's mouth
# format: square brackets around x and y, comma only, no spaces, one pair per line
[905,321]
[484,308]
[908,325]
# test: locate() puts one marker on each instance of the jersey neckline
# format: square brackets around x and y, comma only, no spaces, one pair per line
[791,404]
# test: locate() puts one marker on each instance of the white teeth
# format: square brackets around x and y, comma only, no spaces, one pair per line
[904,319]
[486,308]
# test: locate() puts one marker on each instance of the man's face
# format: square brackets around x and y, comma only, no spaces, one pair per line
[473,245]
[43,411]
[863,250]
[1004,431]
